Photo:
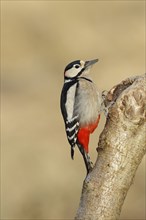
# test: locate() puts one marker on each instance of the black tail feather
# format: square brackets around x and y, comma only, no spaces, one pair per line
[72,153]
[88,162]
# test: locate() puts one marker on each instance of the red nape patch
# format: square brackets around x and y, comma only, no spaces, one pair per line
[84,133]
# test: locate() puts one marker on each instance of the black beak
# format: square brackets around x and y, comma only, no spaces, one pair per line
[90,63]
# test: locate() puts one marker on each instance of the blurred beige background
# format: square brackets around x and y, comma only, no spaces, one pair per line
[39,38]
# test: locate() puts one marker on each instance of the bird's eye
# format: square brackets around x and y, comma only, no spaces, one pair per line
[77,66]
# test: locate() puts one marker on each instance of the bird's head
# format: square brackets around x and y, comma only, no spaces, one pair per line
[78,68]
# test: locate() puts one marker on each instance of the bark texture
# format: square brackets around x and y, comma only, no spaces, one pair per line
[121,148]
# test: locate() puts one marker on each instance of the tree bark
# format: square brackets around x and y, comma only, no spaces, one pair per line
[121,148]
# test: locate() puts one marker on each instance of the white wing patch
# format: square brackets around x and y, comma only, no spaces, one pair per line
[70,102]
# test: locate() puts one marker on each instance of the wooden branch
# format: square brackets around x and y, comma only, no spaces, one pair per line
[121,148]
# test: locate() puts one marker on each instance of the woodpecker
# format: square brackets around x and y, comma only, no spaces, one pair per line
[80,106]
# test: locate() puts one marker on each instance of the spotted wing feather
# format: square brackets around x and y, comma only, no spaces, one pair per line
[72,127]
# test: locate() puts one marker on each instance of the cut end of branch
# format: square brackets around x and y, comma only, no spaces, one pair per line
[116,91]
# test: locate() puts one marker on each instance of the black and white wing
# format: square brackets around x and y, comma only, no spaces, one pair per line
[72,127]
[67,108]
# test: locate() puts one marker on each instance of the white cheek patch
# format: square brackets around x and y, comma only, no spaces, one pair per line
[73,72]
